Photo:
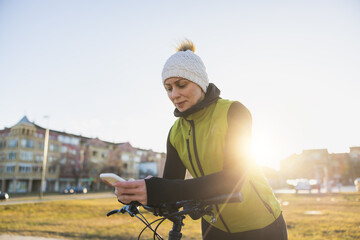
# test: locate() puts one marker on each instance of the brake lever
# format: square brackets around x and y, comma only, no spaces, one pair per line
[131,209]
[112,212]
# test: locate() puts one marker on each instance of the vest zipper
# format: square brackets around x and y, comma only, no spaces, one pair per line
[190,158]
[267,206]
[200,167]
[195,148]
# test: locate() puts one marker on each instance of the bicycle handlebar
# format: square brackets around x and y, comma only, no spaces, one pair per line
[194,208]
[227,198]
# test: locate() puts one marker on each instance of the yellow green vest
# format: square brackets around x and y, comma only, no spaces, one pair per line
[199,140]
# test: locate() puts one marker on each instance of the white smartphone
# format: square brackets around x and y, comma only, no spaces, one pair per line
[111,178]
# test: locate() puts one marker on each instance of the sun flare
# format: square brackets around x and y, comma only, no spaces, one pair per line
[264,151]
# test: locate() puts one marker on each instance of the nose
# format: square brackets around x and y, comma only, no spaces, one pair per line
[175,93]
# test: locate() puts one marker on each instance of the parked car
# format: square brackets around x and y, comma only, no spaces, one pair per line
[72,190]
[69,190]
[4,196]
[81,190]
[357,184]
[303,184]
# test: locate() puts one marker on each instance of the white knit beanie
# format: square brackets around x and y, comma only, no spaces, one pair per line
[186,64]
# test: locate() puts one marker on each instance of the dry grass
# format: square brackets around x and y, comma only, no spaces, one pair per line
[334,216]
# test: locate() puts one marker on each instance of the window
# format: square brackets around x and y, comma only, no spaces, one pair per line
[39,158]
[36,169]
[54,147]
[125,157]
[27,156]
[39,135]
[69,140]
[11,156]
[94,153]
[26,143]
[21,186]
[40,145]
[52,169]
[2,144]
[13,143]
[24,168]
[10,168]
[2,156]
[63,149]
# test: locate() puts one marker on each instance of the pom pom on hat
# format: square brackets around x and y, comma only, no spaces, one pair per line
[186,64]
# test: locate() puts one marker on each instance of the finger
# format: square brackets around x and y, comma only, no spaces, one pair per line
[126,184]
[129,184]
[125,198]
[120,191]
[130,198]
[133,191]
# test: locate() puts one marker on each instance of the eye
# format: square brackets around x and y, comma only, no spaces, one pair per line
[182,85]
[168,89]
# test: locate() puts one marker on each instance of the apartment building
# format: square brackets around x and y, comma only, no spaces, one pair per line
[319,164]
[72,160]
[21,158]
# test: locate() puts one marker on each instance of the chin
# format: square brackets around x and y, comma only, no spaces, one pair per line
[182,109]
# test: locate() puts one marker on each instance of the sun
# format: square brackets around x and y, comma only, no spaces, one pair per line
[264,150]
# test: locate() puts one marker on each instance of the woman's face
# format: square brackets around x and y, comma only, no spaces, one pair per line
[183,93]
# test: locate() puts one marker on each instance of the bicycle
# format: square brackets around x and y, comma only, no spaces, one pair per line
[175,212]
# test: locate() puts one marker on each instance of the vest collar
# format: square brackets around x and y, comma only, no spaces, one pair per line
[212,95]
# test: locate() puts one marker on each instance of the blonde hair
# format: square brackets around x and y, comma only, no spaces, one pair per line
[185,45]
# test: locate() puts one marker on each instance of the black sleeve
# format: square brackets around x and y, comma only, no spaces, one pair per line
[174,168]
[237,148]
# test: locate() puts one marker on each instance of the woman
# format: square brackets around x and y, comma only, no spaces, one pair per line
[210,139]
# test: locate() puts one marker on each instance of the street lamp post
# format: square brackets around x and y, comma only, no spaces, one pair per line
[46,144]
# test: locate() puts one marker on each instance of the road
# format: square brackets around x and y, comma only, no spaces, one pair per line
[14,237]
[342,189]
[60,197]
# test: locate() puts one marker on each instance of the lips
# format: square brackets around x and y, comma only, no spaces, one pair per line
[180,104]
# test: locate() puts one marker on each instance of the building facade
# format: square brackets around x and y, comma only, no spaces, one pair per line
[319,164]
[72,160]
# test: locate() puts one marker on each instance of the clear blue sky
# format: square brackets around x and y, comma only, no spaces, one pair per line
[95,67]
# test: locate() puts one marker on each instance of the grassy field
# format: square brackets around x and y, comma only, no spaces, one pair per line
[335,216]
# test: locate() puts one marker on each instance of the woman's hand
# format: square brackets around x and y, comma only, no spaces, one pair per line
[132,190]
